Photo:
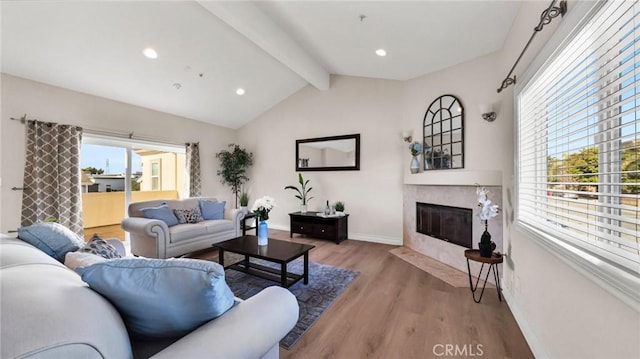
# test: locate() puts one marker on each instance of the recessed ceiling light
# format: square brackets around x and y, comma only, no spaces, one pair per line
[150,53]
[381,52]
[240,91]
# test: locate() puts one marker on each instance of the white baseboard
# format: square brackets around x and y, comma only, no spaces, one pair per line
[277,226]
[534,344]
[395,241]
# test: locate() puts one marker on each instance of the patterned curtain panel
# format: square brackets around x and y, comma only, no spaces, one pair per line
[52,175]
[193,169]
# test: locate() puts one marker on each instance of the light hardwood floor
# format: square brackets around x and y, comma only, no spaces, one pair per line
[112,231]
[395,310]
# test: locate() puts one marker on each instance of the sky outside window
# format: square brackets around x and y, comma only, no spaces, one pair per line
[98,155]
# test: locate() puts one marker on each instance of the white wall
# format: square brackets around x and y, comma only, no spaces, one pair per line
[373,195]
[53,104]
[474,83]
[2,183]
[562,313]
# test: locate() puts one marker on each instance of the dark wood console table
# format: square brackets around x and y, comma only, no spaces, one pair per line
[311,224]
[245,225]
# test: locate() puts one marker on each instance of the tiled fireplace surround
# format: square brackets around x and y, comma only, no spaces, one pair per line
[459,195]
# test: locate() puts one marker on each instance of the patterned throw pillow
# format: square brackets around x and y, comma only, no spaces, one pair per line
[99,246]
[192,215]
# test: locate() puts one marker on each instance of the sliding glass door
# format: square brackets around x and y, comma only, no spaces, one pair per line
[119,171]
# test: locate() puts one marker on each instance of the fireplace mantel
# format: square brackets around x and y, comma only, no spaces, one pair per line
[454,178]
[450,191]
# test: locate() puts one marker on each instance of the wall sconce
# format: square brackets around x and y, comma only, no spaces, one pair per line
[407,136]
[488,113]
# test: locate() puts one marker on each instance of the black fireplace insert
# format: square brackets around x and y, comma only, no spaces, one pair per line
[451,224]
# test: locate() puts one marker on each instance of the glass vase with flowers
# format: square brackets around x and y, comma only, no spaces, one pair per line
[261,208]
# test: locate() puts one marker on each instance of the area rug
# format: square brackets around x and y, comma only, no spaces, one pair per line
[326,283]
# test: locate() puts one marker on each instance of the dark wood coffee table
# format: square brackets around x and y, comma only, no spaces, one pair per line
[281,252]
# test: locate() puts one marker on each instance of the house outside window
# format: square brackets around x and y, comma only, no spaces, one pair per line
[578,142]
[155,176]
[162,170]
[108,160]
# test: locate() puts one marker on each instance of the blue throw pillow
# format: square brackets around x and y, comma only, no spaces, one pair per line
[162,212]
[52,238]
[212,209]
[161,298]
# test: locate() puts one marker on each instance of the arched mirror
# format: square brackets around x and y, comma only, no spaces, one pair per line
[443,133]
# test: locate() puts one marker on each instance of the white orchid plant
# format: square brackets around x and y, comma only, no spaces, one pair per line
[262,207]
[487,209]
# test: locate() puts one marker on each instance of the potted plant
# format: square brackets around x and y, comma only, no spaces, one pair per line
[233,168]
[487,211]
[339,206]
[303,192]
[244,201]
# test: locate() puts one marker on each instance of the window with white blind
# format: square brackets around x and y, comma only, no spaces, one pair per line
[578,139]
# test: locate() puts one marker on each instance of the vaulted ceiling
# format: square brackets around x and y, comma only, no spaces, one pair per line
[209,49]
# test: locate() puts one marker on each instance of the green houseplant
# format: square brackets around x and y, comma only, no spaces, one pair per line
[339,206]
[233,168]
[244,199]
[303,192]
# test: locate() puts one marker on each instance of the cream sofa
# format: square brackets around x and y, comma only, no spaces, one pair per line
[152,238]
[49,312]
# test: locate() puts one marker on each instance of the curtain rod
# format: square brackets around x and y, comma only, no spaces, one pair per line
[22,119]
[129,135]
[545,18]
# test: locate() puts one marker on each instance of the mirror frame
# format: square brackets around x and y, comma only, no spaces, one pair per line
[356,167]
[439,112]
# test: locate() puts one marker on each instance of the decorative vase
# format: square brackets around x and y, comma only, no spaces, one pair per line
[486,246]
[415,165]
[244,210]
[303,208]
[263,233]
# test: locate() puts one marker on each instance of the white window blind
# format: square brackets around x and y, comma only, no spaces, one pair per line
[578,142]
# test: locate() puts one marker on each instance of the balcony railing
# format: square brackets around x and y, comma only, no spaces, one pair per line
[103,211]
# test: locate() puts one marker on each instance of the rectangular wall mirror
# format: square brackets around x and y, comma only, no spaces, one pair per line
[334,153]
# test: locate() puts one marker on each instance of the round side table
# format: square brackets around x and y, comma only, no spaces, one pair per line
[474,255]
